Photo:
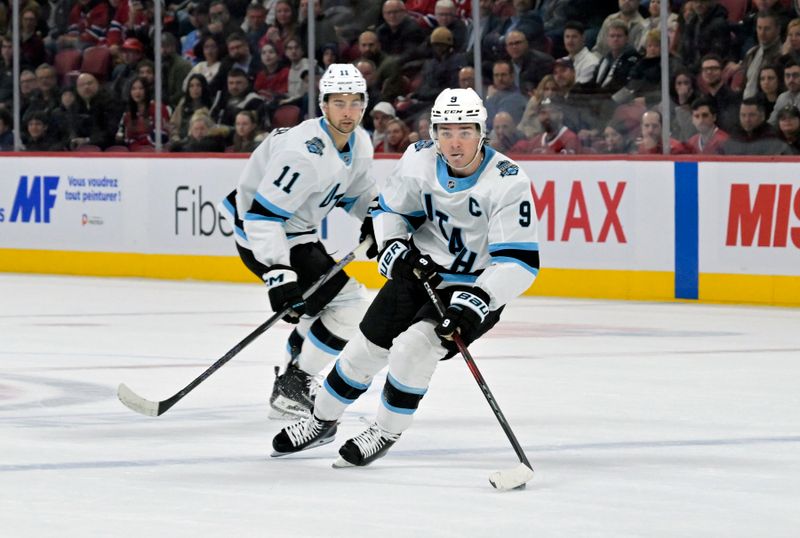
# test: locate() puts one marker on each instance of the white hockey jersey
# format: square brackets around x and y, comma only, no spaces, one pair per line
[481,229]
[292,180]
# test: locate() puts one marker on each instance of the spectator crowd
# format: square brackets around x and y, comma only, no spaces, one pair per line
[560,76]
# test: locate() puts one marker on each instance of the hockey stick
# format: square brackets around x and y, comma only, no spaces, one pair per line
[154,409]
[509,478]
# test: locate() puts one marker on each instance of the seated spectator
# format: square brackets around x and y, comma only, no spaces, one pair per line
[198,18]
[584,60]
[630,17]
[398,33]
[504,133]
[440,71]
[32,52]
[556,138]
[196,97]
[220,21]
[255,24]
[530,65]
[765,52]
[791,48]
[132,53]
[653,23]
[146,70]
[208,51]
[239,57]
[97,114]
[328,55]
[46,95]
[753,135]
[650,141]
[791,76]
[6,130]
[272,82]
[725,99]
[297,65]
[789,127]
[524,20]
[466,77]
[616,139]
[396,140]
[6,75]
[381,114]
[529,124]
[615,66]
[748,28]
[283,29]
[682,93]
[770,86]
[705,31]
[503,96]
[137,125]
[422,127]
[445,16]
[245,134]
[89,21]
[64,116]
[27,90]
[200,139]
[645,75]
[175,69]
[36,136]
[709,139]
[237,98]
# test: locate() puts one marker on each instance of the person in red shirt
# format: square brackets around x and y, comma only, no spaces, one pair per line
[272,82]
[709,138]
[650,141]
[556,138]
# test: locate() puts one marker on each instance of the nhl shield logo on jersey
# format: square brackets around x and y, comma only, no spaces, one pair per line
[422,144]
[451,184]
[315,145]
[507,168]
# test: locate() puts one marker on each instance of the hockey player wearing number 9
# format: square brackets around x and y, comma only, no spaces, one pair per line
[289,184]
[454,212]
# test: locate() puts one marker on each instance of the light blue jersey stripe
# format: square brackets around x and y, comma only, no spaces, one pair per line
[335,394]
[513,246]
[272,207]
[352,383]
[398,410]
[327,349]
[508,259]
[406,388]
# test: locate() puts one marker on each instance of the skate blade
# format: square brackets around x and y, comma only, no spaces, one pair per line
[276,454]
[341,463]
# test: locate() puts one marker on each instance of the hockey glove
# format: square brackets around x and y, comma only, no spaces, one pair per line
[398,260]
[284,292]
[465,314]
[367,230]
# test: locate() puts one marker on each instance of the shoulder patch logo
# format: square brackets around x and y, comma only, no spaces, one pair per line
[507,168]
[315,145]
[422,144]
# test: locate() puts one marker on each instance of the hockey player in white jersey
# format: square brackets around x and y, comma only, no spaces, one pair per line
[454,212]
[289,184]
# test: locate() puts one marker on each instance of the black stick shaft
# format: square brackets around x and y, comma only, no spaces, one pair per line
[476,373]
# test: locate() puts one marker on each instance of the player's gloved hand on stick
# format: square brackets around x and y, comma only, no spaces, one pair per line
[367,230]
[465,314]
[399,260]
[284,292]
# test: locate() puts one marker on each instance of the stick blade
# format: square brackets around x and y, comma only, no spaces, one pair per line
[134,402]
[509,479]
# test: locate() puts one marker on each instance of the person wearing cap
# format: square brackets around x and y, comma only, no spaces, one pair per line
[556,138]
[290,183]
[132,53]
[440,71]
[789,127]
[381,114]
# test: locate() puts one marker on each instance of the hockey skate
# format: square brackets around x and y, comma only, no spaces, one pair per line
[292,394]
[368,446]
[307,433]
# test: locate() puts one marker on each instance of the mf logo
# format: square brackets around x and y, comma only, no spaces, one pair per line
[34,199]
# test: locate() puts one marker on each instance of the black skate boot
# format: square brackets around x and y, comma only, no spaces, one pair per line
[302,435]
[293,393]
[366,447]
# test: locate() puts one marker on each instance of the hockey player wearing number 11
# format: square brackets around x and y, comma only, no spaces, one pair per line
[460,215]
[289,184]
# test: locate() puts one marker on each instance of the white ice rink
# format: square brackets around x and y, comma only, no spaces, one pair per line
[641,419]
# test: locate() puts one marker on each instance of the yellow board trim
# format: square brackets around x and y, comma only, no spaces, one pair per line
[552,282]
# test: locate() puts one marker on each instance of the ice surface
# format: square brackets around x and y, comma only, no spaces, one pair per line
[641,419]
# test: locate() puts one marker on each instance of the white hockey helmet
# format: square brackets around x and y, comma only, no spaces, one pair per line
[458,105]
[342,78]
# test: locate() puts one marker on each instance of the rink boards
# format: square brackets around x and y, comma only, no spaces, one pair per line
[638,228]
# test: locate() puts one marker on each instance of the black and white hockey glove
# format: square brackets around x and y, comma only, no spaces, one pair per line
[367,230]
[284,292]
[465,314]
[399,260]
